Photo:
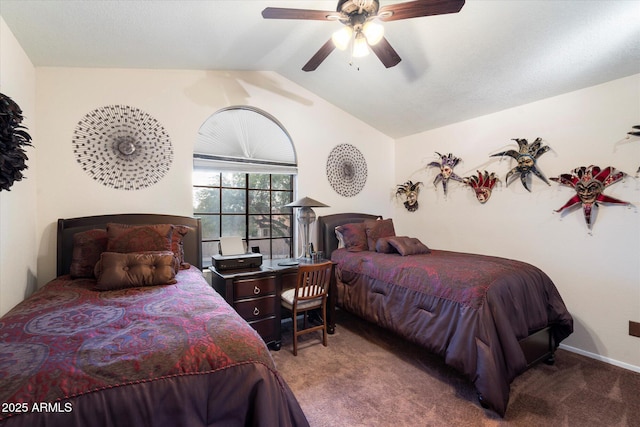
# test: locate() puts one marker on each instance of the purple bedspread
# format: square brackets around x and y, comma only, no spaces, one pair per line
[470,309]
[174,355]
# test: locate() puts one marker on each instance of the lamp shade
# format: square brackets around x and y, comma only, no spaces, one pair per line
[306,202]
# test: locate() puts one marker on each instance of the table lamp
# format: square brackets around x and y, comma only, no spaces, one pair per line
[306,216]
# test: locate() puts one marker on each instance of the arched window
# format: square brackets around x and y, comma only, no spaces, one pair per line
[244,166]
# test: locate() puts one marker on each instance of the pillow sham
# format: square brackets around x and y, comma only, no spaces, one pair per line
[126,238]
[408,245]
[87,248]
[117,270]
[383,246]
[377,229]
[354,236]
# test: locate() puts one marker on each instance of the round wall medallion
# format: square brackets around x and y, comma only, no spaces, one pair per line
[346,170]
[122,147]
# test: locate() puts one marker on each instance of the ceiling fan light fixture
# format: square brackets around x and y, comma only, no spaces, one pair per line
[360,46]
[342,37]
[373,31]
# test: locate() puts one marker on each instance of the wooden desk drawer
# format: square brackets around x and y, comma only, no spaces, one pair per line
[257,308]
[256,287]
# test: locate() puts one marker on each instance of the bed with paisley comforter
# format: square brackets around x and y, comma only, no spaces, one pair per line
[490,318]
[144,340]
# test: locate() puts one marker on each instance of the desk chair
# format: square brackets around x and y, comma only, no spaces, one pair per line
[310,293]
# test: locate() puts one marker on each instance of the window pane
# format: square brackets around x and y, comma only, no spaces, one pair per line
[208,250]
[281,198]
[210,227]
[281,226]
[259,180]
[258,202]
[234,180]
[259,226]
[233,201]
[281,248]
[233,225]
[281,182]
[206,200]
[206,177]
[263,247]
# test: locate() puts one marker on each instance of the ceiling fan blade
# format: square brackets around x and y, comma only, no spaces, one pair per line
[417,8]
[387,54]
[286,13]
[320,56]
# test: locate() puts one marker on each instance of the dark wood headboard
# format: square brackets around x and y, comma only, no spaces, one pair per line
[327,240]
[70,226]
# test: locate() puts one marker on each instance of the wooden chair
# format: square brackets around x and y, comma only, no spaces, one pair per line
[312,286]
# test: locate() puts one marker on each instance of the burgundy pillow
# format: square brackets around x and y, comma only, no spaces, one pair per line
[177,244]
[354,236]
[136,269]
[408,245]
[378,229]
[87,247]
[126,238]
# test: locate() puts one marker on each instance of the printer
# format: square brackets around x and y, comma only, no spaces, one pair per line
[233,255]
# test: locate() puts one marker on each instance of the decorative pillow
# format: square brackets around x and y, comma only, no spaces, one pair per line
[354,236]
[126,238]
[378,229]
[177,245]
[408,245]
[132,270]
[87,247]
[384,246]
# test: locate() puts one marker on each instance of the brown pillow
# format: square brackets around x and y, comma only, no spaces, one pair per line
[132,270]
[384,247]
[126,238]
[408,245]
[354,236]
[87,247]
[378,229]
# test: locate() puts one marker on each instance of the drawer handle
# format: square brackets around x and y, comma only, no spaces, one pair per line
[256,312]
[256,290]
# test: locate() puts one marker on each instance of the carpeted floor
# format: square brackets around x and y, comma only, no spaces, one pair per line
[369,377]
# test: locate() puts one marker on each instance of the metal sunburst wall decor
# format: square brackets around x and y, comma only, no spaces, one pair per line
[122,147]
[346,170]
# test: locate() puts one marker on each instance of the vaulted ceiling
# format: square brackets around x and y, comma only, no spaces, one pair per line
[492,55]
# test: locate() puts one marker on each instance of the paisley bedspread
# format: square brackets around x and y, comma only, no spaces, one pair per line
[175,355]
[470,309]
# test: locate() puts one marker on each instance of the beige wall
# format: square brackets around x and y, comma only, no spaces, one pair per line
[181,101]
[18,207]
[597,274]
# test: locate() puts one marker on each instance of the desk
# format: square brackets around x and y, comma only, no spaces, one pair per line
[255,295]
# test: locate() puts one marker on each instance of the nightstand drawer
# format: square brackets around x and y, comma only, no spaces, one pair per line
[268,328]
[258,308]
[257,287]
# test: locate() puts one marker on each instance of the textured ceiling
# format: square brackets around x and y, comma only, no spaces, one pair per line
[490,56]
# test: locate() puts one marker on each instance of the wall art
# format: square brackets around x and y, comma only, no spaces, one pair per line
[122,147]
[13,140]
[346,170]
[482,185]
[446,165]
[526,156]
[635,132]
[410,192]
[589,183]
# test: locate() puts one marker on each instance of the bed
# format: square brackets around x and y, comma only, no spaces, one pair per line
[158,347]
[490,318]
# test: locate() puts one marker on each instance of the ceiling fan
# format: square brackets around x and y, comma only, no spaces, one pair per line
[361,27]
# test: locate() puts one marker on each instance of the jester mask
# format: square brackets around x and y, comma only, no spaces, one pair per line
[482,185]
[446,165]
[589,183]
[410,192]
[526,156]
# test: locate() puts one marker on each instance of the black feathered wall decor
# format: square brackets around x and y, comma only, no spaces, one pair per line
[13,140]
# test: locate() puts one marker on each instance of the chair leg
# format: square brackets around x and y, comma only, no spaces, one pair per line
[295,333]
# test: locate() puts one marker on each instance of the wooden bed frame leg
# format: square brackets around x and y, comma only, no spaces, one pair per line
[551,359]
